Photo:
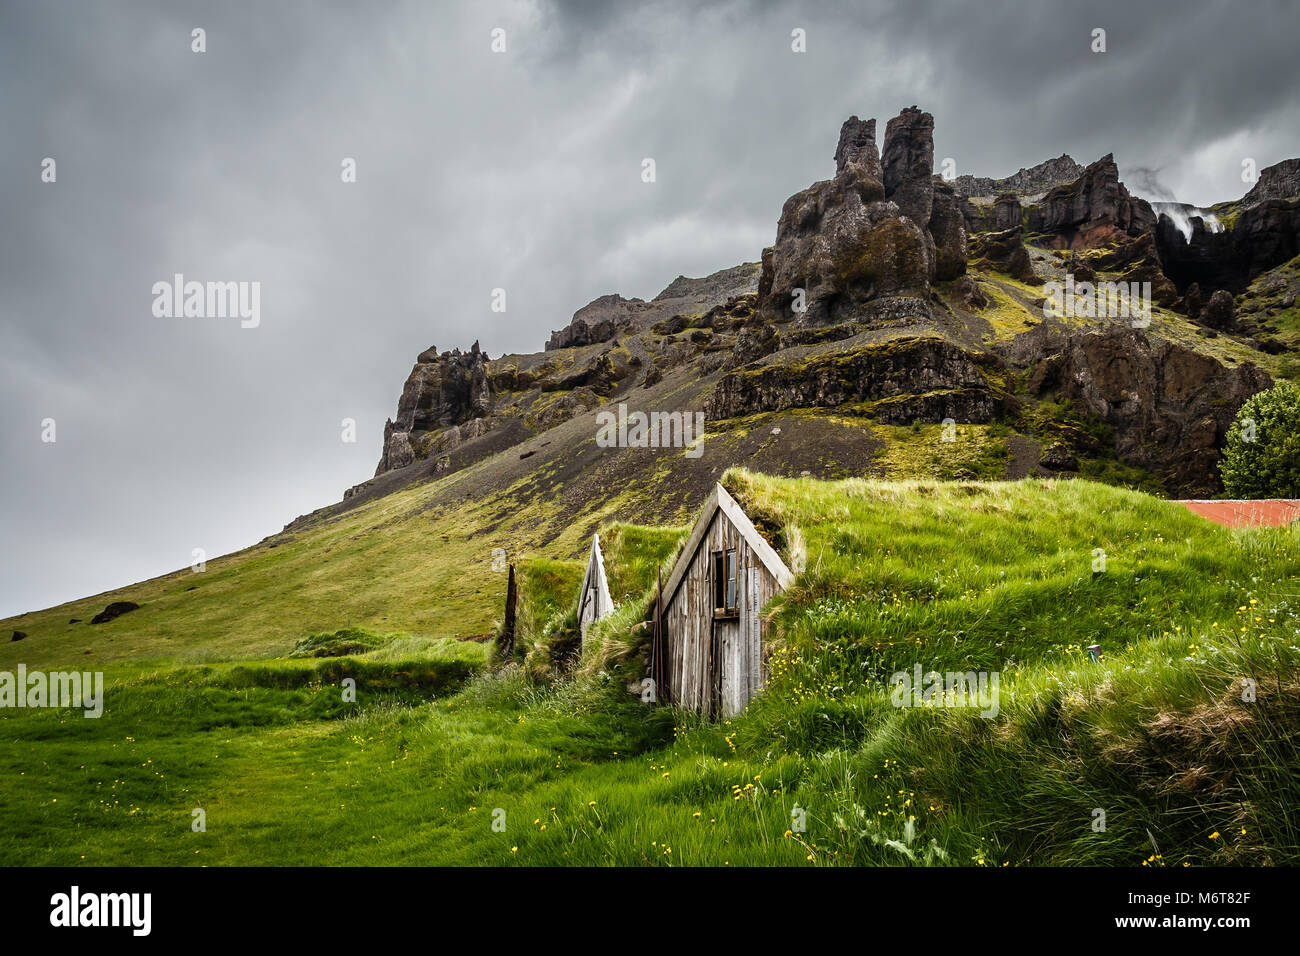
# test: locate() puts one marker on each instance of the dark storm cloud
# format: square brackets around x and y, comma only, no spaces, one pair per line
[475,171]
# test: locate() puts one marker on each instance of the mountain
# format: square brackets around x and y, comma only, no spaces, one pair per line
[890,302]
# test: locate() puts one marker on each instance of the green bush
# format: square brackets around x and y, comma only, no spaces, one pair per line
[1261,456]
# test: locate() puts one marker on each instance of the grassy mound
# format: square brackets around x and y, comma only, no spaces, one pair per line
[1177,747]
[349,640]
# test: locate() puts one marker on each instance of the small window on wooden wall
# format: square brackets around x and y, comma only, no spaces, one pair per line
[726,590]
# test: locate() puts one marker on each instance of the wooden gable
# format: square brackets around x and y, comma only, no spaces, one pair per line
[711,631]
[594,601]
[720,500]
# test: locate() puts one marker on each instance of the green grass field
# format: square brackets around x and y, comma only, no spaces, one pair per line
[444,759]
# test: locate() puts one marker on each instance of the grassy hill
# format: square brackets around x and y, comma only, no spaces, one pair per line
[207,709]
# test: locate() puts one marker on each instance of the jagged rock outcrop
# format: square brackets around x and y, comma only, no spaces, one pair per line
[754,341]
[985,215]
[767,274]
[969,294]
[911,379]
[867,243]
[908,163]
[1137,260]
[598,373]
[1218,313]
[581,333]
[397,451]
[842,244]
[1026,182]
[1169,406]
[1279,181]
[1004,252]
[948,230]
[1093,210]
[454,399]
[1058,457]
[857,145]
[597,321]
[443,391]
[608,316]
[1006,212]
[732,314]
[994,205]
[113,611]
[1265,235]
[717,287]
[1080,268]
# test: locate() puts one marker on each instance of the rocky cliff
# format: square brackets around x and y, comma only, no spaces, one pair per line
[1027,182]
[446,398]
[603,318]
[1168,406]
[898,300]
[1092,210]
[909,379]
[1257,233]
[1280,181]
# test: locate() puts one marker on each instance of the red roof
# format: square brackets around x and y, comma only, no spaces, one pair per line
[1267,512]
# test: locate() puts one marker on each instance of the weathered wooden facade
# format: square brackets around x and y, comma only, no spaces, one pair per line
[593,600]
[708,647]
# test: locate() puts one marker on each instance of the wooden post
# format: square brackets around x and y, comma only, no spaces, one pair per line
[506,643]
[657,644]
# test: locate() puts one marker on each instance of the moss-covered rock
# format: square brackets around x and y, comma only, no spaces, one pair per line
[926,379]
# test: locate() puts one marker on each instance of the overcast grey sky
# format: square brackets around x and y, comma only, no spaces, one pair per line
[476,170]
